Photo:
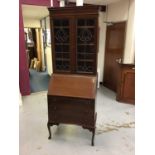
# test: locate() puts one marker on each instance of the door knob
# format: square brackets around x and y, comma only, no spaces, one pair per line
[118,60]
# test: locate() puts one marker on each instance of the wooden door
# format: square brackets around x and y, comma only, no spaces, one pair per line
[115,39]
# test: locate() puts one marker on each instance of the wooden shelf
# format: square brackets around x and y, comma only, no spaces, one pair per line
[83,53]
[61,43]
[80,27]
[62,52]
[56,27]
[62,59]
[85,60]
[89,44]
[84,72]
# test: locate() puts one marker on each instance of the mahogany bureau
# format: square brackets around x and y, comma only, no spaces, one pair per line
[72,87]
[71,100]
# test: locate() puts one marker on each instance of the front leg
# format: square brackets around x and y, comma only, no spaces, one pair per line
[93,134]
[49,130]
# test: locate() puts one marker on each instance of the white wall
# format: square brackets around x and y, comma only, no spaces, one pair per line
[31,23]
[20,99]
[49,51]
[102,37]
[49,60]
[129,50]
[118,11]
[48,22]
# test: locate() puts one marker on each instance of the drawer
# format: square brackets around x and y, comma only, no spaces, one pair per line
[71,110]
[71,107]
[71,117]
[70,102]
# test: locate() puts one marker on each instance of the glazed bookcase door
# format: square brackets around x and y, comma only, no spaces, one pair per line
[86,45]
[61,45]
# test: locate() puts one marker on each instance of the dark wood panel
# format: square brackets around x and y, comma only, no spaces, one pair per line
[74,10]
[129,85]
[102,7]
[73,86]
[126,83]
[71,111]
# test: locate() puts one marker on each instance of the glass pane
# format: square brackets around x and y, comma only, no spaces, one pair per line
[85,56]
[61,48]
[62,55]
[85,35]
[85,45]
[86,48]
[62,65]
[61,35]
[85,66]
[61,39]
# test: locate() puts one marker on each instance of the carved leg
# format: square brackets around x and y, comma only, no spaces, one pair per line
[49,130]
[93,134]
[93,131]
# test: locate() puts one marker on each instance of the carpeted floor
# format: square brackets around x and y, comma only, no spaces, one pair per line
[38,81]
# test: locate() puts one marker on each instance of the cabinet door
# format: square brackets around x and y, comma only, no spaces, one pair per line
[61,44]
[128,87]
[86,45]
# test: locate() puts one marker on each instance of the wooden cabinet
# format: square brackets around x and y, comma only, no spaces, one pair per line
[71,100]
[74,39]
[72,88]
[126,83]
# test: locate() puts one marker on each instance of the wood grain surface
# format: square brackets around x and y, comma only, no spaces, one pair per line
[73,86]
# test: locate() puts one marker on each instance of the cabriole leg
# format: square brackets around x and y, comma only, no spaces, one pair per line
[49,130]
[93,134]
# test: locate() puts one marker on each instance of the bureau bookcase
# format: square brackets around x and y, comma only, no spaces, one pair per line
[72,87]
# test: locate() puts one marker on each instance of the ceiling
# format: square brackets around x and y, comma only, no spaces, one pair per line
[34,12]
[97,2]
